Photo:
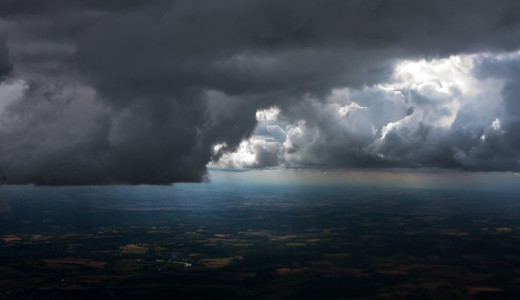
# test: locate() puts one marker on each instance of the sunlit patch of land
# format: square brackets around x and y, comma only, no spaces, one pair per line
[504,229]
[10,238]
[134,249]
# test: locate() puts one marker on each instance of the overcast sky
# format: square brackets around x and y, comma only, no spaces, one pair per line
[140,91]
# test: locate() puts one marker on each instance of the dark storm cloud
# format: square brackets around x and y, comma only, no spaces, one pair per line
[5,64]
[140,91]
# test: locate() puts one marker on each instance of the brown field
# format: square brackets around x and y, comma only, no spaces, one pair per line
[64,262]
[217,263]
[11,238]
[134,249]
[481,289]
[289,271]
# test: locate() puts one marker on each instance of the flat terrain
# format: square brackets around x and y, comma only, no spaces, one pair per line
[258,242]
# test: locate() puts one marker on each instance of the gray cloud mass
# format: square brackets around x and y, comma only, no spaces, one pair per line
[5,65]
[105,92]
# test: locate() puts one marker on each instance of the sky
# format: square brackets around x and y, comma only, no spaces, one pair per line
[156,92]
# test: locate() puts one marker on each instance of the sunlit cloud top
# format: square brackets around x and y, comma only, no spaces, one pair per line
[429,113]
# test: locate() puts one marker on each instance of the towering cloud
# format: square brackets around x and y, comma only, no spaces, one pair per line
[141,92]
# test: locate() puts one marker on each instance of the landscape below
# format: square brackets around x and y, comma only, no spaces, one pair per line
[252,235]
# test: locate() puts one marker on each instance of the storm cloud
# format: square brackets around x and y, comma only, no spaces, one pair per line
[5,64]
[102,92]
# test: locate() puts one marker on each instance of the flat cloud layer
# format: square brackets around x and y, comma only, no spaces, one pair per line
[102,92]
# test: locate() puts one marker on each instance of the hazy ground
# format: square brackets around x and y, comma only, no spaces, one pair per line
[267,234]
